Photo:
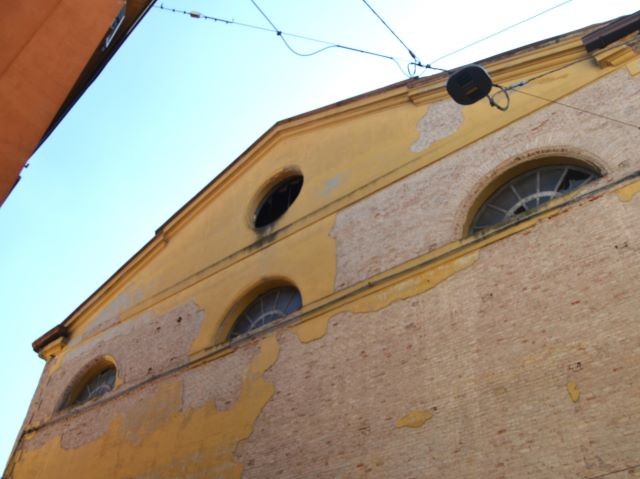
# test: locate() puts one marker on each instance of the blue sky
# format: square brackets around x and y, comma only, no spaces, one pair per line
[182,99]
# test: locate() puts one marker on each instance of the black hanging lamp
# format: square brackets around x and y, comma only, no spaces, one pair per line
[472,83]
[469,84]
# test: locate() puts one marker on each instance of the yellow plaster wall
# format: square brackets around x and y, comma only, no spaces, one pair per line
[295,261]
[158,439]
[343,158]
[155,436]
[335,159]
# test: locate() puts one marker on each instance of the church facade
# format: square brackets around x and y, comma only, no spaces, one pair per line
[392,286]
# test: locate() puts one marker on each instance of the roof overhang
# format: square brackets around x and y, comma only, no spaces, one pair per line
[52,50]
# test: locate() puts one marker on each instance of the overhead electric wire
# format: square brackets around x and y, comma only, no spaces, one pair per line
[505,90]
[392,32]
[266,17]
[480,40]
[292,50]
[516,86]
[416,61]
[281,34]
[581,110]
[588,56]
[430,66]
[328,45]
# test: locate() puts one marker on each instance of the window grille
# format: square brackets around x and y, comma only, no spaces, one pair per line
[100,384]
[266,308]
[528,191]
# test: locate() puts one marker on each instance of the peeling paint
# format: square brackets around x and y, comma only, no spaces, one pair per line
[441,120]
[143,418]
[292,263]
[168,337]
[414,419]
[574,392]
[414,285]
[316,328]
[195,443]
[195,422]
[626,193]
[312,329]
[110,314]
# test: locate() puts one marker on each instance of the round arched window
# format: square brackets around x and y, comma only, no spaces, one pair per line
[528,191]
[97,385]
[266,308]
[277,201]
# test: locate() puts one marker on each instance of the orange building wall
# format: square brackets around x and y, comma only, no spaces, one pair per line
[45,46]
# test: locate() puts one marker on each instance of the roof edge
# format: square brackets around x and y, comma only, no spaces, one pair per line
[97,63]
[416,90]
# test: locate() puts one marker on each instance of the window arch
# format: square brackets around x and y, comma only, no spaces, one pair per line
[274,304]
[528,191]
[99,379]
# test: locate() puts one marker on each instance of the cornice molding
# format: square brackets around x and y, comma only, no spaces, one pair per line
[505,68]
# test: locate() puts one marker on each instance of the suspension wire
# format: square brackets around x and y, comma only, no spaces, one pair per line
[277,30]
[581,110]
[392,32]
[292,50]
[480,40]
[522,83]
[409,72]
[416,63]
[281,34]
[412,66]
[515,86]
[429,66]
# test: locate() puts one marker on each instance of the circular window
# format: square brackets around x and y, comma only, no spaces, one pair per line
[528,191]
[266,308]
[277,201]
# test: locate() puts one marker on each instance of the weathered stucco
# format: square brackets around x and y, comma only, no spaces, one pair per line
[417,353]
[110,315]
[441,120]
[141,348]
[152,434]
[428,209]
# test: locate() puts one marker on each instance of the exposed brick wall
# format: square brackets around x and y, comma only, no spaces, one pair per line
[524,364]
[142,348]
[490,352]
[429,208]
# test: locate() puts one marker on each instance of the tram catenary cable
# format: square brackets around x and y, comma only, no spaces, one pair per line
[480,40]
[581,110]
[198,15]
[329,45]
